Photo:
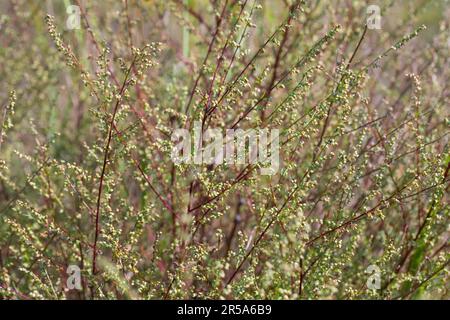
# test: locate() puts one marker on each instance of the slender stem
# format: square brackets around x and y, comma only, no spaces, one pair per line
[105,161]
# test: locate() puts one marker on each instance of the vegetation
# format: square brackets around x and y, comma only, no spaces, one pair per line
[87,179]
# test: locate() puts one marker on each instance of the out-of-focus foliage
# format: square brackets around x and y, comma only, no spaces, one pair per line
[87,115]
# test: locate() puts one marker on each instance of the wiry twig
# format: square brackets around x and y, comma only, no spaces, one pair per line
[105,161]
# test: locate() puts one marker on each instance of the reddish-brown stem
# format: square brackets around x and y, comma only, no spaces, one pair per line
[211,44]
[105,161]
